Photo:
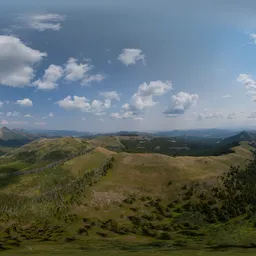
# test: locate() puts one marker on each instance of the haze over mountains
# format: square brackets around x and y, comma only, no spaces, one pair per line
[16,133]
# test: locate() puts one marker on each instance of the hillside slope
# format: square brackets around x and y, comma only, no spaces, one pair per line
[111,199]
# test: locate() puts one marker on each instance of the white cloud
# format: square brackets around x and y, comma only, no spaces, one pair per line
[28,116]
[51,76]
[1,103]
[42,22]
[93,78]
[214,115]
[143,98]
[81,103]
[131,56]
[126,115]
[115,115]
[83,119]
[248,82]
[138,118]
[112,95]
[12,114]
[96,107]
[180,103]
[226,96]
[75,71]
[17,61]
[51,114]
[101,119]
[25,102]
[253,38]
[109,62]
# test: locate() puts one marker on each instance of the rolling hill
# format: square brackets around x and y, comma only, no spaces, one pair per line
[108,199]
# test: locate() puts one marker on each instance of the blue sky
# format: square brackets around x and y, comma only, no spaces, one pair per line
[127,65]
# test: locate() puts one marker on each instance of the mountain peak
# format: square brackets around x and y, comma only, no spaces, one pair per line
[7,134]
[4,128]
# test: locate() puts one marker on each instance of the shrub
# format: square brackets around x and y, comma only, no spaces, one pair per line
[165,236]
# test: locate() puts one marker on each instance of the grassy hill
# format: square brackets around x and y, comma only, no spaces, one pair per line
[105,200]
[40,152]
[110,142]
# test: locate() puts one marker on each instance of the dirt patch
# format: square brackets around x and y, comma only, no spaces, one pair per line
[101,199]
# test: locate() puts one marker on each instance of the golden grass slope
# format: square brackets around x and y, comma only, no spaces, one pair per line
[148,174]
[44,146]
[106,141]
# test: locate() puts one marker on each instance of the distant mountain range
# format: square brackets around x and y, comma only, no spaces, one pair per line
[7,134]
[209,133]
[21,134]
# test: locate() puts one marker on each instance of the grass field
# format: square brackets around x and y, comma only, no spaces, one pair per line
[67,249]
[97,216]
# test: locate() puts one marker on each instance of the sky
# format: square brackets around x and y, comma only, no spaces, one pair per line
[144,65]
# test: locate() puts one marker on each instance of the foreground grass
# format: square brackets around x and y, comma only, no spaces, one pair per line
[54,249]
[66,210]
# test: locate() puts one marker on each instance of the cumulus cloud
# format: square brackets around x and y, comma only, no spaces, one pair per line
[42,22]
[51,76]
[17,61]
[75,71]
[143,98]
[131,56]
[51,114]
[180,103]
[96,107]
[248,82]
[12,114]
[93,78]
[25,102]
[112,95]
